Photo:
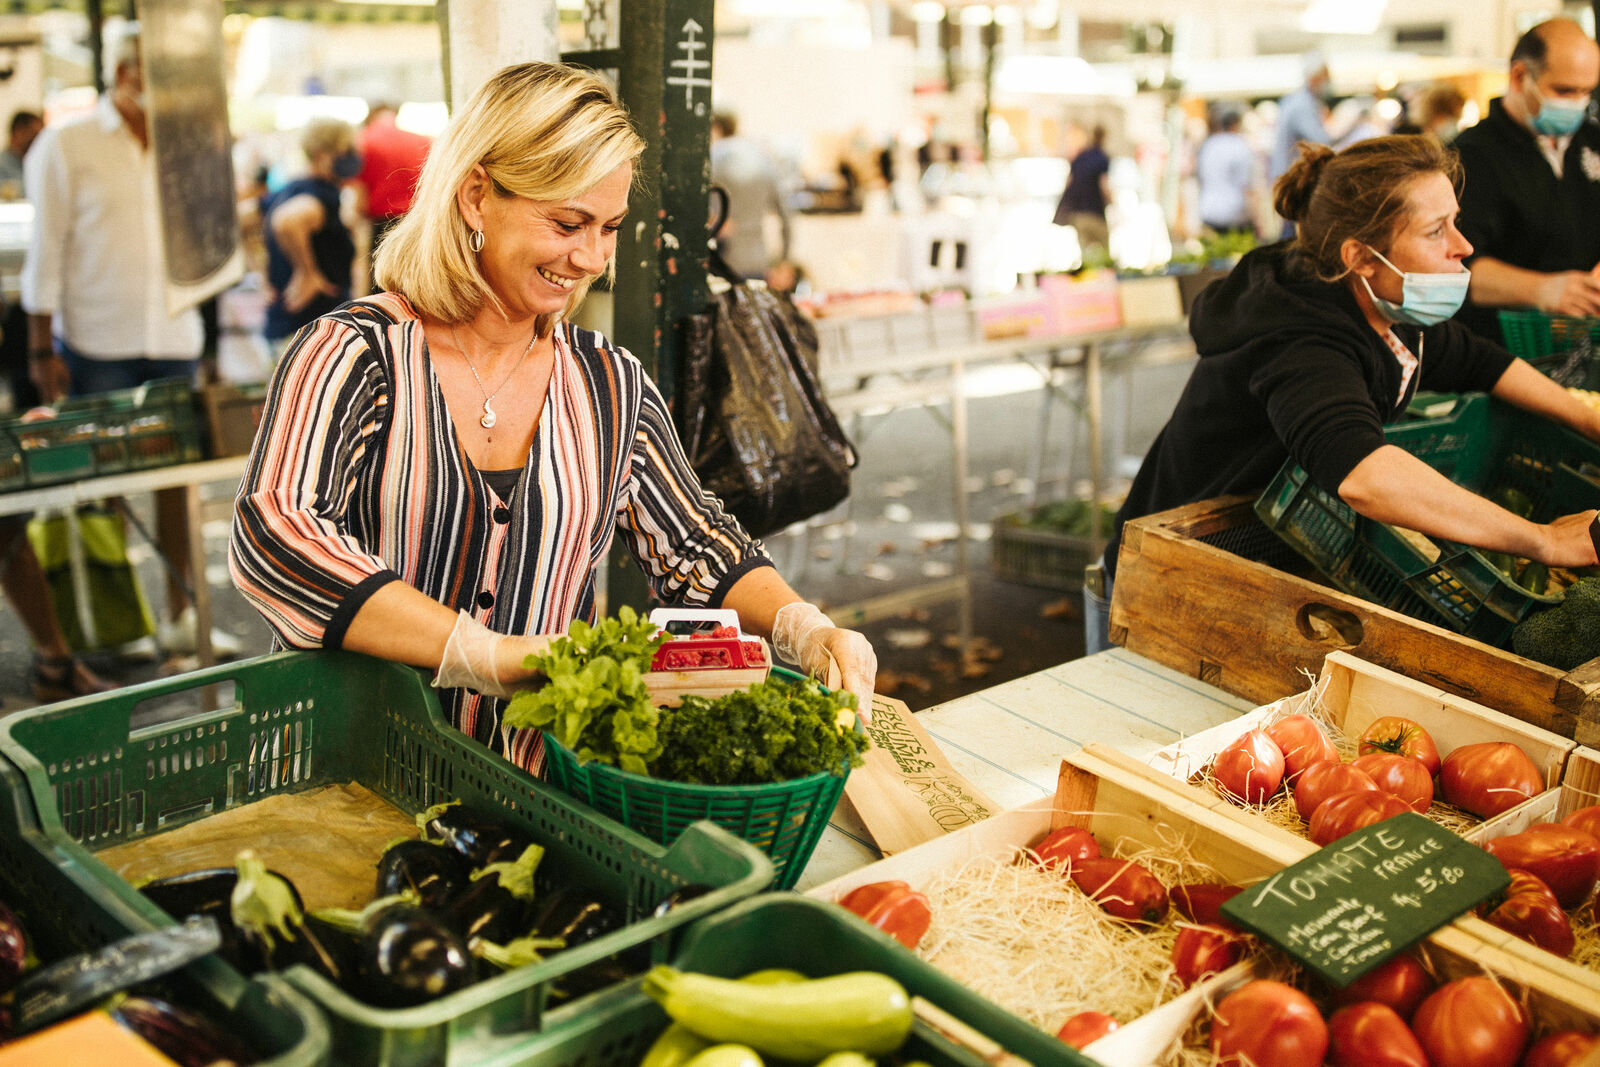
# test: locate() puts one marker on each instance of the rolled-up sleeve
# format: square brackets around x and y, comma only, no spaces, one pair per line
[292,554]
[691,550]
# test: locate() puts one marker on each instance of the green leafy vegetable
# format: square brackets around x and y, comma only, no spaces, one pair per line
[595,701]
[770,732]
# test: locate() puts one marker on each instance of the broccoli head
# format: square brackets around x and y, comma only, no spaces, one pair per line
[1566,635]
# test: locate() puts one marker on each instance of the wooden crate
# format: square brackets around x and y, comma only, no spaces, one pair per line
[1207,590]
[1350,694]
[1109,794]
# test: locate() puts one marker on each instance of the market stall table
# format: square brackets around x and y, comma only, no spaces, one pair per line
[186,476]
[1009,740]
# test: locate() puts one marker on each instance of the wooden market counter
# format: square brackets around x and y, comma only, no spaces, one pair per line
[1009,740]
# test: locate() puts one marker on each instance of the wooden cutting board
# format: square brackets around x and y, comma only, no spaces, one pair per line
[907,792]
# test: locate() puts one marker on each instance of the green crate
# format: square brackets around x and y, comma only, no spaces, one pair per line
[1040,556]
[783,819]
[1560,345]
[811,936]
[297,721]
[273,1018]
[1484,445]
[152,425]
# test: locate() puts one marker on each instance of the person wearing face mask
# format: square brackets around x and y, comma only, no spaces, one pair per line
[310,250]
[1531,202]
[94,287]
[1309,348]
[442,468]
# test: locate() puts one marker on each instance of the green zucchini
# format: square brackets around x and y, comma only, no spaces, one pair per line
[675,1046]
[727,1055]
[860,1011]
[847,1059]
[773,976]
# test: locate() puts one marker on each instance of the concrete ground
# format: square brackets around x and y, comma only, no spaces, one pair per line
[896,534]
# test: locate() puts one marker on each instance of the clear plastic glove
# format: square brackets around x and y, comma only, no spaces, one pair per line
[472,660]
[804,636]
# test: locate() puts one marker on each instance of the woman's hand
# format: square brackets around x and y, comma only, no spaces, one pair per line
[477,658]
[858,665]
[1569,542]
[806,637]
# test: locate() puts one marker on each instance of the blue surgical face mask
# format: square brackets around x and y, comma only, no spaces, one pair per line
[347,164]
[1425,299]
[1557,118]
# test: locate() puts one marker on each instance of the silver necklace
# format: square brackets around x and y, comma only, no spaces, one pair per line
[489,418]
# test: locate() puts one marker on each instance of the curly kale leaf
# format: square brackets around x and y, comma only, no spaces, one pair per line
[770,732]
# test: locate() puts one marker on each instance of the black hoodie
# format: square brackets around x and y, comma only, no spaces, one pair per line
[1289,367]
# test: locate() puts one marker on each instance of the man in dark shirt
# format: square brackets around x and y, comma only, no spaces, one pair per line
[1083,201]
[1531,200]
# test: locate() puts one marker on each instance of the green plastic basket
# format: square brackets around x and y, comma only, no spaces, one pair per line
[811,936]
[783,819]
[152,425]
[297,721]
[1039,556]
[274,1019]
[1560,345]
[1484,445]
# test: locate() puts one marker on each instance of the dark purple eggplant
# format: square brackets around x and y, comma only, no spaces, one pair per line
[406,957]
[480,839]
[13,949]
[432,871]
[485,910]
[574,915]
[183,1036]
[266,910]
[209,892]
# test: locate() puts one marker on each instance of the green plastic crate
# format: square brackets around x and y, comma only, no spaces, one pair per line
[274,1019]
[1562,346]
[302,720]
[152,425]
[1042,556]
[814,937]
[783,819]
[1486,446]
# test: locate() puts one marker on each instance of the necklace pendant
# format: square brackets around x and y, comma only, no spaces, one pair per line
[488,420]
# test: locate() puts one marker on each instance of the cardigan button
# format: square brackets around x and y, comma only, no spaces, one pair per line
[502,515]
[486,600]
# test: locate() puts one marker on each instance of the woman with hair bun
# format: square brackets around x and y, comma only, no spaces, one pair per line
[1309,347]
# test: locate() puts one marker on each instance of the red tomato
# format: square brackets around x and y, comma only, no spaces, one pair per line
[1399,776]
[1066,846]
[1530,911]
[1086,1027]
[1303,743]
[893,907]
[1471,1022]
[1322,780]
[1268,1024]
[1250,769]
[1370,1034]
[1564,1048]
[1122,888]
[1401,737]
[1203,950]
[1202,902]
[1400,983]
[1345,813]
[1563,857]
[1489,777]
[1585,819]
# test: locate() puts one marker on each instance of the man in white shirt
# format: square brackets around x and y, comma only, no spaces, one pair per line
[93,281]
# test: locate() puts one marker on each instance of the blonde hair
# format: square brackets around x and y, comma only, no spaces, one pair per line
[543,131]
[326,135]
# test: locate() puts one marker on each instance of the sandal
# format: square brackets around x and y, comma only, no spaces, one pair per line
[56,678]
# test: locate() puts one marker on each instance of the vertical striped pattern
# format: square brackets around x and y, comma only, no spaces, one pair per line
[357,477]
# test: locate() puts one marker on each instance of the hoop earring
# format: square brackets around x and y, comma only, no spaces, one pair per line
[475,242]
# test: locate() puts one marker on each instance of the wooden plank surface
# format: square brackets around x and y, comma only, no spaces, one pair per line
[1008,740]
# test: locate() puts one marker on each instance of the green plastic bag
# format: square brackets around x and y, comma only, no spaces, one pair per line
[107,608]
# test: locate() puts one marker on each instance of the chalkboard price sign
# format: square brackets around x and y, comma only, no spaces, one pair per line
[1368,896]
